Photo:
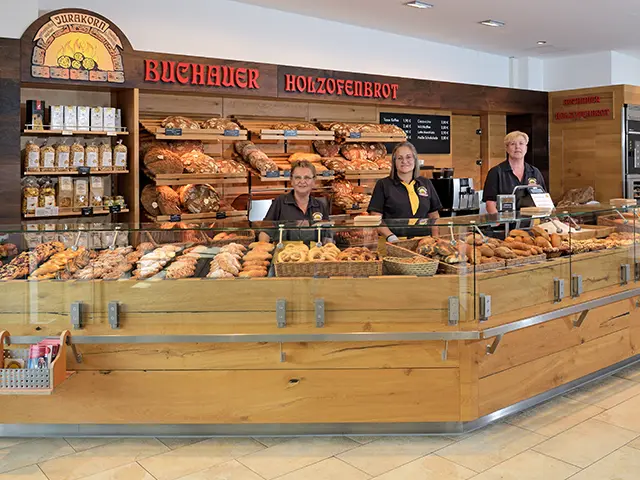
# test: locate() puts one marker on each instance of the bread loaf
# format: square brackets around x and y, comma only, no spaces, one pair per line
[177,121]
[168,201]
[220,124]
[354,151]
[185,146]
[326,149]
[149,200]
[302,156]
[198,162]
[199,198]
[160,161]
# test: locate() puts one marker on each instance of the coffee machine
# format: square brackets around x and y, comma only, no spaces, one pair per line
[457,195]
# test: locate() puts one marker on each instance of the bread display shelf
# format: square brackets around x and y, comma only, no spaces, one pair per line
[77,133]
[53,376]
[261,129]
[366,174]
[168,179]
[69,212]
[153,126]
[200,216]
[375,137]
[322,172]
[74,172]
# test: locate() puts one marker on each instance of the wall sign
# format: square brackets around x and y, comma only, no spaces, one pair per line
[200,74]
[583,107]
[430,134]
[332,86]
[75,45]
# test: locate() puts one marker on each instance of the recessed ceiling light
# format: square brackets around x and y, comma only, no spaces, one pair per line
[419,4]
[492,23]
[542,42]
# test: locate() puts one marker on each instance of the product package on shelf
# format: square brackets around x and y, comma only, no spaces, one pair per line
[84,118]
[56,118]
[80,193]
[109,119]
[30,195]
[70,118]
[120,156]
[97,192]
[35,114]
[63,153]
[47,158]
[47,195]
[77,155]
[32,157]
[105,156]
[65,192]
[96,119]
[91,153]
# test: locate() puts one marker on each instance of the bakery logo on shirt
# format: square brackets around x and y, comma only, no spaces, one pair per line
[532,181]
[317,216]
[422,191]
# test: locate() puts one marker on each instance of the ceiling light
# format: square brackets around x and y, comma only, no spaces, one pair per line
[542,42]
[492,23]
[419,4]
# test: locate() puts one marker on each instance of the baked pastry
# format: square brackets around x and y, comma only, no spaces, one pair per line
[228,166]
[354,151]
[326,149]
[161,161]
[184,146]
[195,161]
[334,164]
[220,124]
[177,121]
[302,156]
[168,201]
[149,200]
[199,198]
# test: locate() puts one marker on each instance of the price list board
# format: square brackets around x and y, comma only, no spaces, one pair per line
[430,134]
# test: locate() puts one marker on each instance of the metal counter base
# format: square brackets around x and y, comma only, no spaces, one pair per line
[301,429]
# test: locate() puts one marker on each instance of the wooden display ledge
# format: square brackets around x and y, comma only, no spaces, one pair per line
[168,179]
[260,128]
[366,174]
[200,216]
[152,125]
[74,172]
[68,212]
[76,133]
[366,137]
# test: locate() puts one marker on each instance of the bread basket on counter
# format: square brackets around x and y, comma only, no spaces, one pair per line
[396,266]
[328,269]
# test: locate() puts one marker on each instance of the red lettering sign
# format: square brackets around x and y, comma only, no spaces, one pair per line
[339,87]
[200,74]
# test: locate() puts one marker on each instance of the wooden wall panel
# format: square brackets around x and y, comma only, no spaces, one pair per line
[494,128]
[245,107]
[343,113]
[244,397]
[180,104]
[465,148]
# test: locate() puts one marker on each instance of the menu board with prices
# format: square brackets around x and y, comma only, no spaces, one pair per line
[430,134]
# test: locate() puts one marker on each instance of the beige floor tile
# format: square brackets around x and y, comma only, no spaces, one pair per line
[623,464]
[100,459]
[199,456]
[30,453]
[81,444]
[329,469]
[295,454]
[635,443]
[31,472]
[363,439]
[491,446]
[431,467]
[272,441]
[586,443]
[179,442]
[606,393]
[131,471]
[630,373]
[388,453]
[11,441]
[624,415]
[232,470]
[555,416]
[529,465]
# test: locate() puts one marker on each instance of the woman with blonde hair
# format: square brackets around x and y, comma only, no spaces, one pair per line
[514,171]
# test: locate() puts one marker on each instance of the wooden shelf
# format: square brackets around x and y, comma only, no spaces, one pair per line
[75,172]
[153,126]
[366,174]
[296,135]
[73,133]
[168,179]
[201,216]
[371,137]
[68,212]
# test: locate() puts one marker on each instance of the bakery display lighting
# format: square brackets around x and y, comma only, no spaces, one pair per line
[418,4]
[492,23]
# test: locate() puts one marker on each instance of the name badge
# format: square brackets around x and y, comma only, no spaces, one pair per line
[532,181]
[422,191]
[316,217]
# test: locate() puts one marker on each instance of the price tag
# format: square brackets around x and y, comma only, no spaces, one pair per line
[115,209]
[327,173]
[272,174]
[221,214]
[67,132]
[542,200]
[46,211]
[355,206]
[86,211]
[290,133]
[173,132]
[355,135]
[111,134]
[175,218]
[286,173]
[232,133]
[84,170]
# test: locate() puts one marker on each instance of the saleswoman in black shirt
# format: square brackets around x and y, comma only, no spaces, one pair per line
[404,198]
[298,207]
[503,178]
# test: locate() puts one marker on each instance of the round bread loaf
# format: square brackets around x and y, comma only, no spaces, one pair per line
[149,200]
[182,147]
[159,161]
[354,151]
[199,198]
[168,201]
[326,149]
[198,162]
[177,121]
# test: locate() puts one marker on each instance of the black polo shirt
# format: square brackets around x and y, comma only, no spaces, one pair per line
[285,210]
[501,181]
[391,199]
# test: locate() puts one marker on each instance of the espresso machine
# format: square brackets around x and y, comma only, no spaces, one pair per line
[457,195]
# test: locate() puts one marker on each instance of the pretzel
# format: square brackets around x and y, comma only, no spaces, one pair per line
[316,254]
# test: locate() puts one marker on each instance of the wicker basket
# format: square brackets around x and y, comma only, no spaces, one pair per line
[515,262]
[467,269]
[396,250]
[393,266]
[410,244]
[328,269]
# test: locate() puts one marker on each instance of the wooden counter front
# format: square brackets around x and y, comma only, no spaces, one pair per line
[320,382]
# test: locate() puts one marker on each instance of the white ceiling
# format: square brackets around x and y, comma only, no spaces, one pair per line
[570,27]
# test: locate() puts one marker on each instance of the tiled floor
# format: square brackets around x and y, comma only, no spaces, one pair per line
[589,434]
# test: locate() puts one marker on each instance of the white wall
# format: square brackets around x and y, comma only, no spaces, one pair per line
[578,71]
[226,29]
[625,69]
[16,16]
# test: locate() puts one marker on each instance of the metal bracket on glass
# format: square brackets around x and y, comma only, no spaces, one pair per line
[445,352]
[114,314]
[454,311]
[319,312]
[482,235]
[625,220]
[75,312]
[491,349]
[76,354]
[77,241]
[558,290]
[636,271]
[576,285]
[580,320]
[281,233]
[283,355]
[116,232]
[576,227]
[281,312]
[485,307]
[453,237]
[625,273]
